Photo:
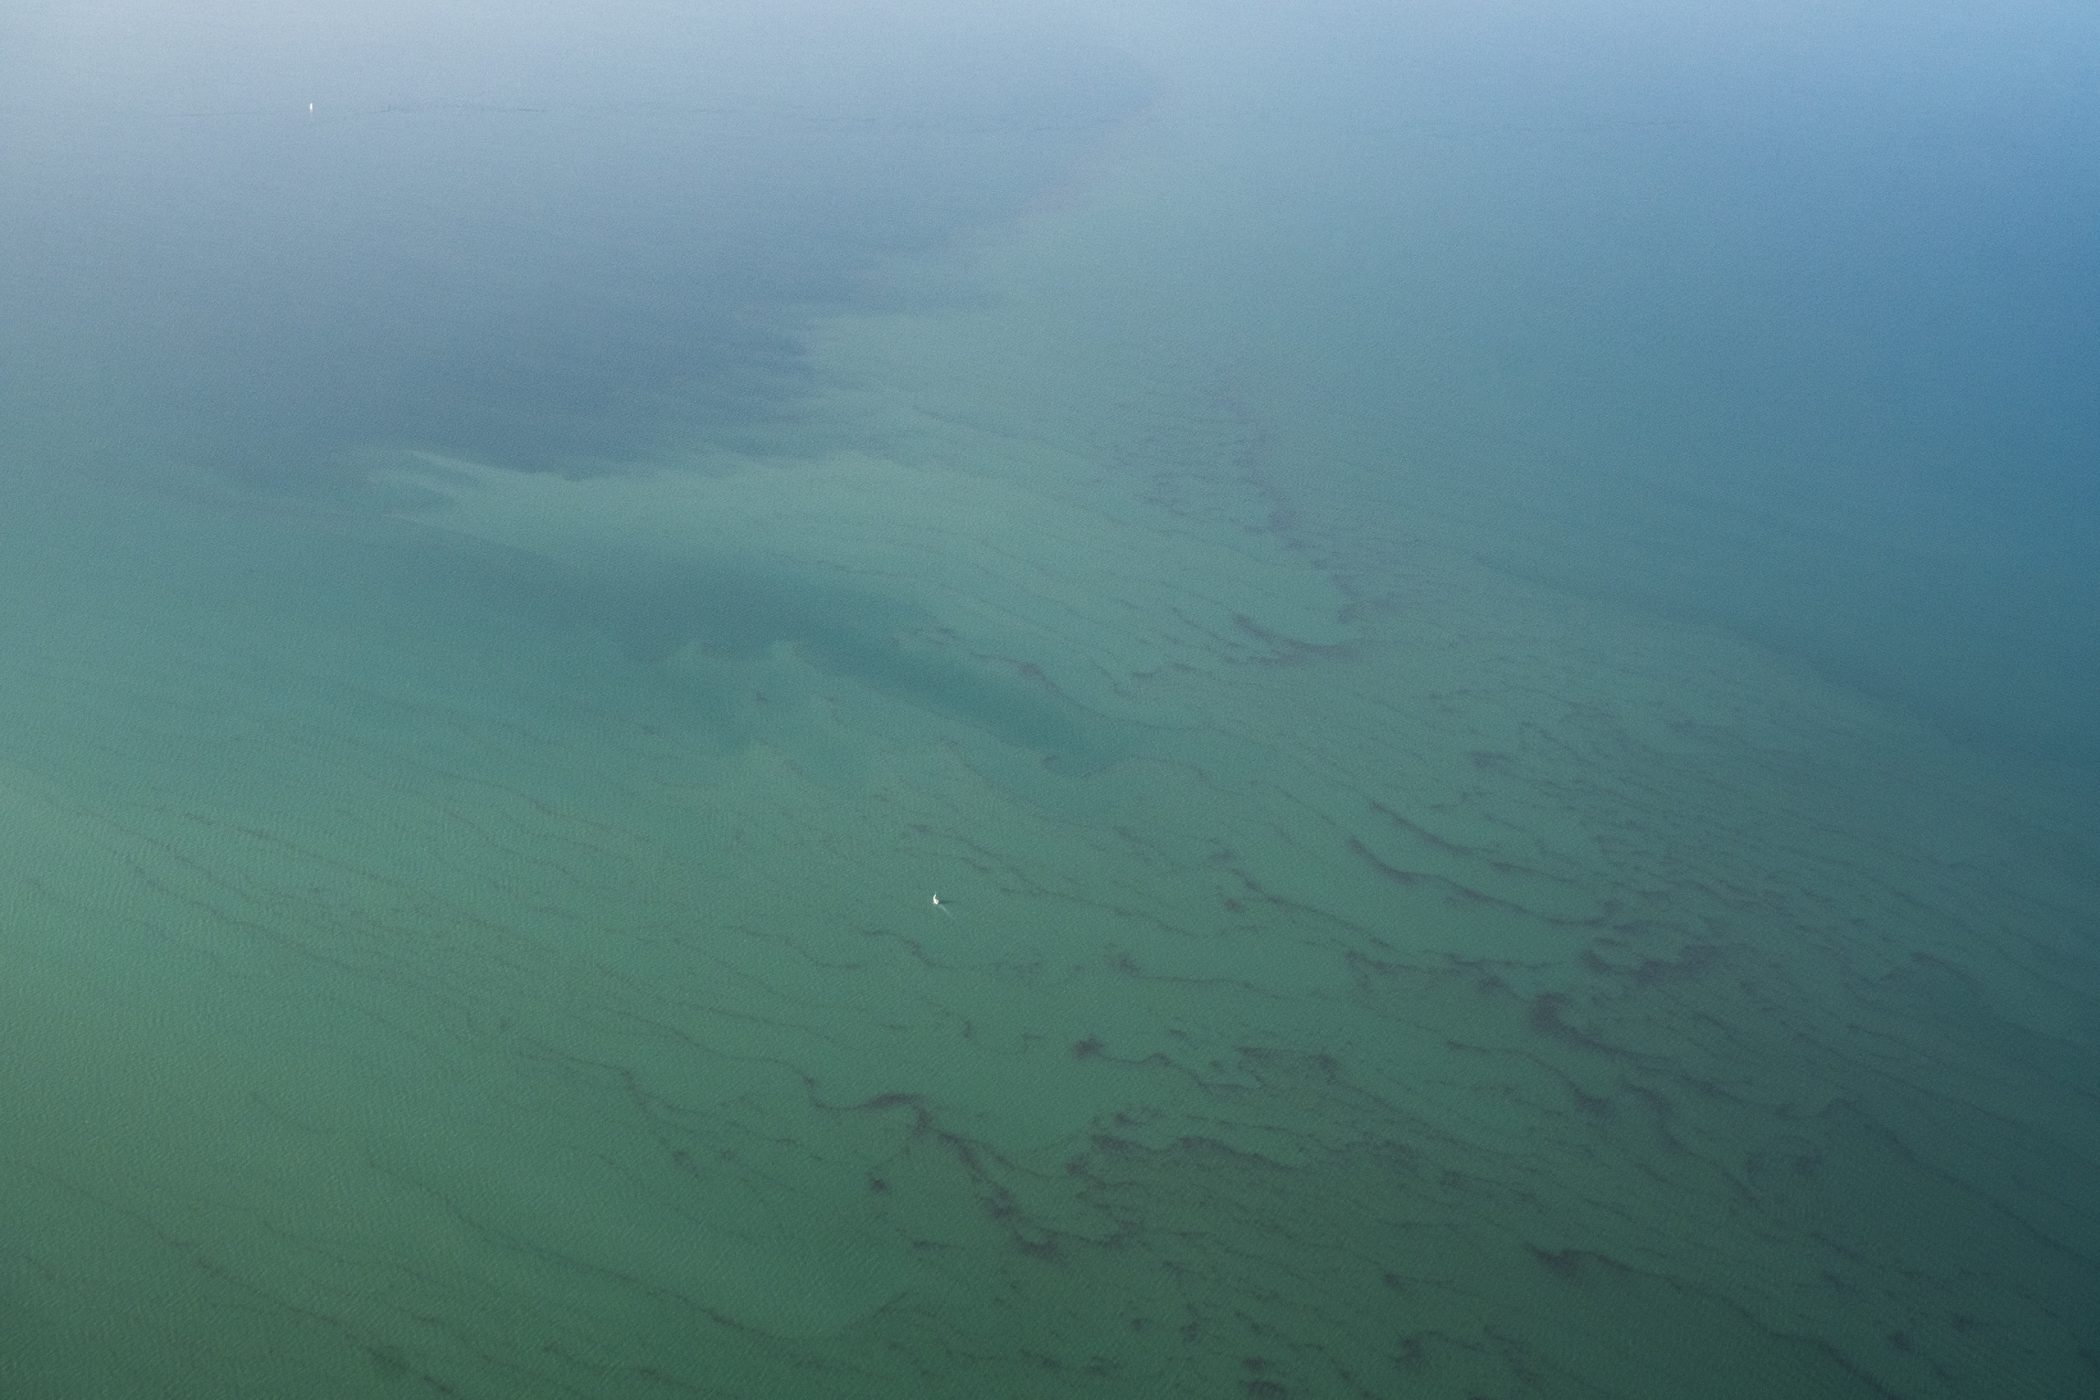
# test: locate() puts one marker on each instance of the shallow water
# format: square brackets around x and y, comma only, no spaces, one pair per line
[1479,625]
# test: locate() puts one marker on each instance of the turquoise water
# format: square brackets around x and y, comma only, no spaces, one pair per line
[1482,623]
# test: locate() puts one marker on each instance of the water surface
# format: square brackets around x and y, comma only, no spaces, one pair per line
[1481,622]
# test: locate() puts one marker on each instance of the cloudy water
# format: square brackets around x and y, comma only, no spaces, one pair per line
[1078,700]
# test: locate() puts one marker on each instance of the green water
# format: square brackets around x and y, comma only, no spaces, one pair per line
[1463,869]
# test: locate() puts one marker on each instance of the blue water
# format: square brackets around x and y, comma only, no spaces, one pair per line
[1481,619]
